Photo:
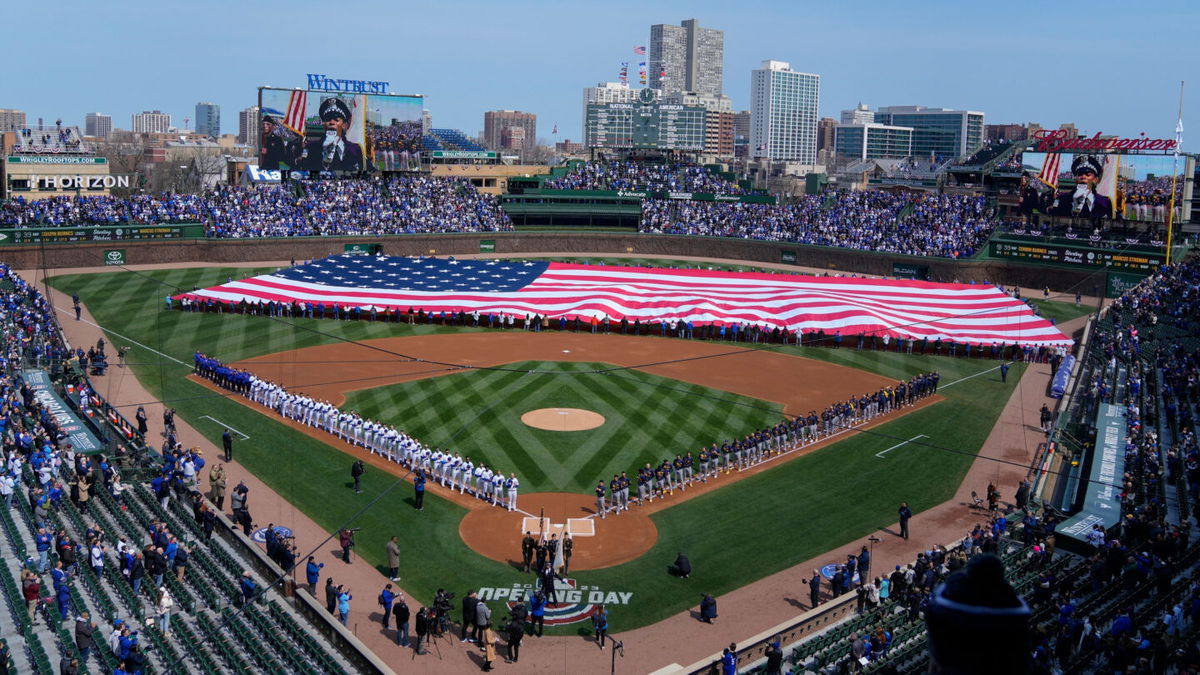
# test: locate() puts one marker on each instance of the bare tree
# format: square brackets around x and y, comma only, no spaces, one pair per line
[126,157]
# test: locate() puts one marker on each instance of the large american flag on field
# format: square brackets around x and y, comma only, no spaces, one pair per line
[918,309]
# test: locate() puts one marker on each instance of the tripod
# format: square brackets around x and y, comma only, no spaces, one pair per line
[431,638]
[617,645]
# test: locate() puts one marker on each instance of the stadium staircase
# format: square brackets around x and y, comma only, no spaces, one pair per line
[1012,151]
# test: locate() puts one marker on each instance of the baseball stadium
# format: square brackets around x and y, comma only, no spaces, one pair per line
[390,414]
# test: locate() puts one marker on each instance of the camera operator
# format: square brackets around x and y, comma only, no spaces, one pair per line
[538,612]
[346,540]
[422,628]
[441,606]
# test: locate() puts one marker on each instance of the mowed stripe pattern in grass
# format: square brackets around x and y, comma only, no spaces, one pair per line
[736,535]
[647,418]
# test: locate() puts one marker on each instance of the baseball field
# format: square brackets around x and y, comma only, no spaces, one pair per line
[740,532]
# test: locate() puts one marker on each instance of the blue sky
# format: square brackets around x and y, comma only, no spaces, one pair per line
[1107,66]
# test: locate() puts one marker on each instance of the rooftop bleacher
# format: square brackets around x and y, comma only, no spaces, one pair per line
[453,139]
[50,141]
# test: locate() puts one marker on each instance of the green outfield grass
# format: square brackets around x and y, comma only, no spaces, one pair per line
[1061,311]
[766,523]
[643,415]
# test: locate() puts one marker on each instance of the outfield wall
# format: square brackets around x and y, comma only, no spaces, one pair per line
[836,260]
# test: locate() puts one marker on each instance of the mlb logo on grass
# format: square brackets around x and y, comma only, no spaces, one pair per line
[576,603]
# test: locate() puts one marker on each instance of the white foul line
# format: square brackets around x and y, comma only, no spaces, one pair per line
[881,454]
[165,356]
[206,417]
[963,379]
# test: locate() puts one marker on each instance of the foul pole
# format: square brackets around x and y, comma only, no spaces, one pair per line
[1174,175]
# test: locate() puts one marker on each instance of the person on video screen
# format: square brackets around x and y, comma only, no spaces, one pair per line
[275,146]
[1083,201]
[333,152]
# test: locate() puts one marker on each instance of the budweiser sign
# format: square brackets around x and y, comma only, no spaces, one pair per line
[1056,140]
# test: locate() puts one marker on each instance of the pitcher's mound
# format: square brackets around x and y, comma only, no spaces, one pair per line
[618,538]
[562,419]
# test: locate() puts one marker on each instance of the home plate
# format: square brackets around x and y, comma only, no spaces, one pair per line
[533,525]
[581,527]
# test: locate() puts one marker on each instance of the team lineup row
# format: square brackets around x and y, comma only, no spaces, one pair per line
[456,472]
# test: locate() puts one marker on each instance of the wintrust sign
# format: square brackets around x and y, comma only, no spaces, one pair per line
[323,83]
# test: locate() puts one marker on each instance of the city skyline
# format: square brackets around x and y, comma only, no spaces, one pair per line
[945,55]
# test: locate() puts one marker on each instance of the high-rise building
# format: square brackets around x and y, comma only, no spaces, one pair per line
[938,133]
[873,141]
[741,124]
[513,139]
[687,58]
[496,121]
[784,109]
[151,122]
[741,134]
[97,125]
[249,126]
[12,120]
[860,114]
[208,119]
[826,130]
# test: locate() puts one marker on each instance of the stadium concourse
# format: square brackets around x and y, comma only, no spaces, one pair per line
[746,611]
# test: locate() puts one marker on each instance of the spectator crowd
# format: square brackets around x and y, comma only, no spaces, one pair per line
[625,175]
[397,205]
[930,225]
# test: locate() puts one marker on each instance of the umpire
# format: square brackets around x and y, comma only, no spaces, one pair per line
[356,472]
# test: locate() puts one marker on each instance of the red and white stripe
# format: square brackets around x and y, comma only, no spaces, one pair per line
[294,119]
[964,313]
[1050,164]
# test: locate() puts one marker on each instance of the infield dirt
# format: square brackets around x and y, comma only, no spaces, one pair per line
[797,383]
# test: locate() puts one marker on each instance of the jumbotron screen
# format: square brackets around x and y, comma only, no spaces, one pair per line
[1130,186]
[322,131]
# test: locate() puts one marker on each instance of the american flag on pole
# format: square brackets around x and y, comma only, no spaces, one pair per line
[978,314]
[1049,173]
[294,117]
[639,50]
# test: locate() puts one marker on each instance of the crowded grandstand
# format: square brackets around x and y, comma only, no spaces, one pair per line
[122,557]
